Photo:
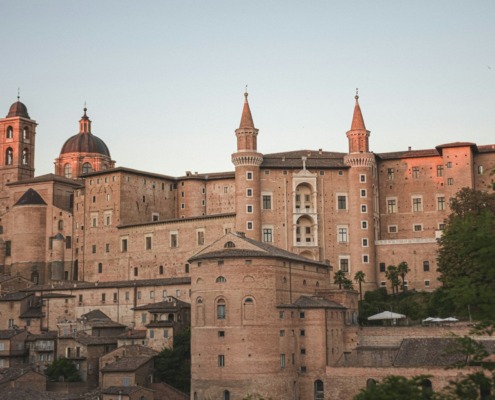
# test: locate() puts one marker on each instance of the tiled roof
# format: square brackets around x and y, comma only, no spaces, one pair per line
[257,249]
[172,305]
[10,333]
[314,159]
[128,171]
[29,198]
[48,178]
[160,324]
[178,220]
[56,296]
[126,364]
[133,334]
[11,374]
[95,340]
[312,302]
[15,296]
[430,352]
[488,148]
[125,390]
[408,154]
[95,314]
[131,350]
[110,284]
[32,312]
[49,335]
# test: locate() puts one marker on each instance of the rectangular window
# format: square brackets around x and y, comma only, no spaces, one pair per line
[449,164]
[177,293]
[426,266]
[344,265]
[282,360]
[392,229]
[364,224]
[149,242]
[439,170]
[127,296]
[68,242]
[480,169]
[225,189]
[441,227]
[201,238]
[249,225]
[301,314]
[93,248]
[267,202]
[107,247]
[441,203]
[390,174]
[144,317]
[450,181]
[249,209]
[152,294]
[417,204]
[342,202]
[174,240]
[249,176]
[124,245]
[281,314]
[282,333]
[362,193]
[382,267]
[155,217]
[364,208]
[302,332]
[391,206]
[417,228]
[427,283]
[415,172]
[364,242]
[221,360]
[221,334]
[267,235]
[249,192]
[103,297]
[362,178]
[152,334]
[342,234]
[366,259]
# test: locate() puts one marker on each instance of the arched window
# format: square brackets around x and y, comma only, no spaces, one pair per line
[229,244]
[9,155]
[304,282]
[370,383]
[319,391]
[10,132]
[200,312]
[248,309]
[25,133]
[61,225]
[170,317]
[68,171]
[35,278]
[226,395]
[87,168]
[25,157]
[221,309]
[305,231]
[426,383]
[221,279]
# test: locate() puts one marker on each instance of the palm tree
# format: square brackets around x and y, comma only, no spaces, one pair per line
[392,274]
[402,270]
[347,284]
[359,278]
[339,278]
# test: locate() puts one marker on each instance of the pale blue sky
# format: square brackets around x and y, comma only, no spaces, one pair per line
[164,80]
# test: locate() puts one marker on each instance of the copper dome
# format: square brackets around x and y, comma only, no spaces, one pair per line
[18,109]
[85,143]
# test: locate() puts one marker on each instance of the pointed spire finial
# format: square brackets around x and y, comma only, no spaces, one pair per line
[357,94]
[246,118]
[18,94]
[246,93]
[85,109]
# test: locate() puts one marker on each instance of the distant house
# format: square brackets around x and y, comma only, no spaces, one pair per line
[12,347]
[42,349]
[128,371]
[127,393]
[22,377]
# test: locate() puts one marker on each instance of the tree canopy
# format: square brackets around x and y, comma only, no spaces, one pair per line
[63,369]
[466,260]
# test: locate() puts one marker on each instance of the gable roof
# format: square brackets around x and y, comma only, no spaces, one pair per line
[127,364]
[245,247]
[29,198]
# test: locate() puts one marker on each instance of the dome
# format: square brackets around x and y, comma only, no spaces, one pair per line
[18,109]
[85,143]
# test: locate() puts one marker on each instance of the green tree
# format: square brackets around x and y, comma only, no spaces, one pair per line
[402,270]
[392,274]
[359,278]
[339,278]
[398,388]
[347,284]
[173,366]
[466,259]
[64,370]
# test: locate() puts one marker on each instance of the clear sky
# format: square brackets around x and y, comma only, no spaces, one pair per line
[164,80]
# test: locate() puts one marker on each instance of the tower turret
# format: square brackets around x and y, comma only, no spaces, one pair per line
[358,135]
[247,162]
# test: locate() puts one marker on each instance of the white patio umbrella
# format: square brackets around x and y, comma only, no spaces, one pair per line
[386,315]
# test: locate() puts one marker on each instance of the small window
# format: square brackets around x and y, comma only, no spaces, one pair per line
[439,170]
[302,332]
[366,259]
[415,172]
[362,178]
[221,279]
[364,208]
[282,333]
[100,268]
[364,224]
[449,164]
[480,169]
[221,334]
[390,174]
[281,314]
[249,192]
[301,314]
[426,266]
[417,204]
[427,283]
[441,203]
[282,360]
[160,269]
[382,267]
[364,242]
[450,181]
[392,229]
[229,244]
[10,133]
[249,225]
[267,235]
[221,309]
[362,193]
[174,240]
[124,245]
[342,202]
[267,202]
[418,228]
[221,360]
[249,209]
[149,242]
[201,238]
[249,176]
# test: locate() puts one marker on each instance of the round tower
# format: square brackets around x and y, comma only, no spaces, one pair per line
[247,162]
[83,153]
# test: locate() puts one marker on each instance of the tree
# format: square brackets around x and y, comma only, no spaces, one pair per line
[64,370]
[339,278]
[397,387]
[392,274]
[359,278]
[347,284]
[466,259]
[402,270]
[173,366]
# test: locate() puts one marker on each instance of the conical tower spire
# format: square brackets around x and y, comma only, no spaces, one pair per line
[246,118]
[358,135]
[357,118]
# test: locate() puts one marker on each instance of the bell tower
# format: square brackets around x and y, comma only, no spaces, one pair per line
[17,144]
[247,162]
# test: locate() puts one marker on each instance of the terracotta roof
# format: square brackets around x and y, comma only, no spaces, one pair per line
[133,334]
[357,117]
[255,250]
[18,109]
[408,154]
[32,312]
[178,220]
[89,340]
[167,305]
[130,350]
[10,333]
[318,159]
[487,148]
[125,390]
[246,117]
[126,364]
[312,302]
[69,285]
[11,374]
[161,324]
[56,296]
[129,171]
[95,314]
[14,296]
[49,335]
[31,197]
[48,178]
